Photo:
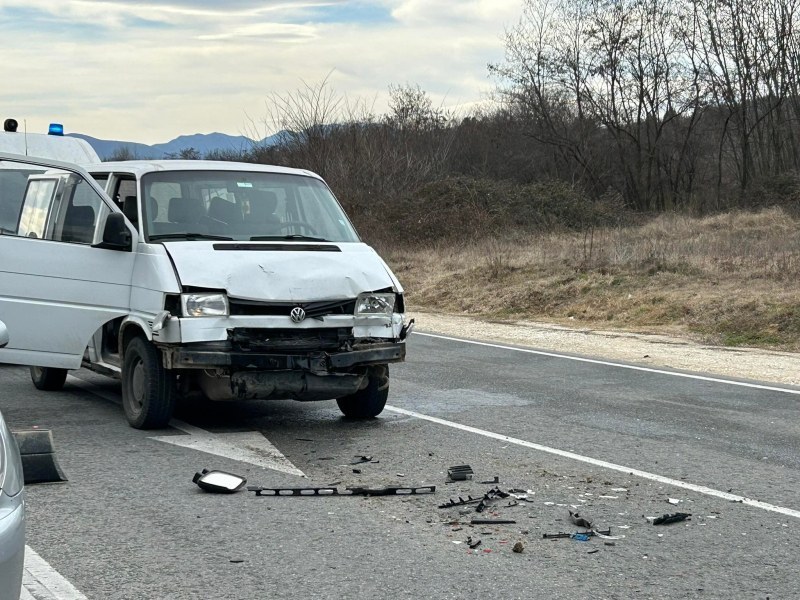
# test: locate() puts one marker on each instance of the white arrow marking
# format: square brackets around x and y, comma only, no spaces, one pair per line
[248,446]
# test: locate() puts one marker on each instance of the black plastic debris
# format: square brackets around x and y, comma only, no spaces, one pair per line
[460,473]
[460,502]
[493,481]
[472,544]
[579,520]
[37,451]
[350,491]
[492,522]
[489,497]
[673,518]
[552,536]
[363,459]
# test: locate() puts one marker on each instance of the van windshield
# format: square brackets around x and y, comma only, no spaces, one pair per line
[236,205]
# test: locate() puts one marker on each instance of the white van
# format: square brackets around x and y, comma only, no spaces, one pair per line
[189,278]
[53,145]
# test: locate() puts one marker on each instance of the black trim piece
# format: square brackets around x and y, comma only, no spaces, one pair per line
[266,247]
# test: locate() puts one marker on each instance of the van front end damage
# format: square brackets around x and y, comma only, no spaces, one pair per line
[299,364]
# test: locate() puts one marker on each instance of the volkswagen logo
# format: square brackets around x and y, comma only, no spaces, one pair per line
[297,314]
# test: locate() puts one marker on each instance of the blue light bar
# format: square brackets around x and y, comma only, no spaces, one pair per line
[56,129]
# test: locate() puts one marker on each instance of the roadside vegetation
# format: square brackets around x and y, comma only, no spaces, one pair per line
[638,167]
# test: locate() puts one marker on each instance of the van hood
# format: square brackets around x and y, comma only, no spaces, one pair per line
[285,272]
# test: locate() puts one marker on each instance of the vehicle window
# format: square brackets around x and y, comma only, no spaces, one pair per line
[241,206]
[79,210]
[36,209]
[101,179]
[13,182]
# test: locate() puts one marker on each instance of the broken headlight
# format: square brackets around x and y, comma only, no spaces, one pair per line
[205,305]
[375,304]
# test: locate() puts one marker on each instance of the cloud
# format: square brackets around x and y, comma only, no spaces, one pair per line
[148,71]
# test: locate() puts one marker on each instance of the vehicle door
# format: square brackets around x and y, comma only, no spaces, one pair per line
[60,278]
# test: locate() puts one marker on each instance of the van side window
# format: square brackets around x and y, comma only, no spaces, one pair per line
[13,183]
[101,179]
[78,214]
[36,209]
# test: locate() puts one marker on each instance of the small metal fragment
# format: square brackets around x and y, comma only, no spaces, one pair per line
[492,522]
[673,518]
[460,473]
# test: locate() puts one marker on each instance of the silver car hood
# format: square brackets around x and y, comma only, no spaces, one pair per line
[290,272]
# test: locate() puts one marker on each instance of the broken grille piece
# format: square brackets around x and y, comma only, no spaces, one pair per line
[350,491]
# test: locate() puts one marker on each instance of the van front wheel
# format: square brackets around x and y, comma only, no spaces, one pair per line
[45,378]
[148,389]
[369,401]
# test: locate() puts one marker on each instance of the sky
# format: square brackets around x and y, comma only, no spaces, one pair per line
[150,70]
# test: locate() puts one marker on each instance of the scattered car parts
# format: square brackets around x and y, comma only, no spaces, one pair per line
[37,451]
[552,536]
[350,491]
[218,482]
[673,518]
[460,473]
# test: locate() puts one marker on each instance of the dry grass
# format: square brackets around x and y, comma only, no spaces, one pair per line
[729,279]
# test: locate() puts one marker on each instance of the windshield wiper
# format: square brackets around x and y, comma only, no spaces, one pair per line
[292,236]
[188,236]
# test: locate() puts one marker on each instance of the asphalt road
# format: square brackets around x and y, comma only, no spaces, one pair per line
[613,443]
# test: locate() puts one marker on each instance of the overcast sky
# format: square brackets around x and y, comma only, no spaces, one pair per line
[149,70]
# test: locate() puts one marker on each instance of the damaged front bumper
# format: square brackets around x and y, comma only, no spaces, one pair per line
[197,356]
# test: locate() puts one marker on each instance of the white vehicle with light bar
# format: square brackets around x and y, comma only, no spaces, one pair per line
[196,278]
[53,145]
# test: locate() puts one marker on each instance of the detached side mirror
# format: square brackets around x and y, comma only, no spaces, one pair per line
[219,482]
[116,235]
[3,335]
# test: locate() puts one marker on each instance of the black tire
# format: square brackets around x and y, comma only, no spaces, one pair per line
[369,401]
[149,391]
[48,379]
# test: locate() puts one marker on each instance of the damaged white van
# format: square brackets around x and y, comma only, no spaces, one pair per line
[230,280]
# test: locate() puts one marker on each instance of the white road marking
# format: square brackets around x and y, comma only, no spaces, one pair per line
[606,363]
[248,446]
[601,463]
[40,581]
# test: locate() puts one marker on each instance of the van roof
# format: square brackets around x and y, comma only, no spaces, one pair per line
[51,147]
[141,167]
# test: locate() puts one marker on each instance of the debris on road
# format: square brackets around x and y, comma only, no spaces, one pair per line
[673,518]
[460,473]
[673,501]
[218,482]
[38,455]
[578,520]
[495,480]
[350,491]
[552,536]
[460,502]
[363,459]
[518,547]
[472,544]
[492,522]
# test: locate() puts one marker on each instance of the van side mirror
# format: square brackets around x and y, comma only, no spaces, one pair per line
[3,335]
[116,235]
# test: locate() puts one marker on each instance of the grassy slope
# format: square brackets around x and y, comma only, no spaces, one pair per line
[729,279]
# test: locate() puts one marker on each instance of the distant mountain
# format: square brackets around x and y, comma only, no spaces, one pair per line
[203,143]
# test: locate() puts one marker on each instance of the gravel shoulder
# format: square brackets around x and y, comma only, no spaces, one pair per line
[639,348]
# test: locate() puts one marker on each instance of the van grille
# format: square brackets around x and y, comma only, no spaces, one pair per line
[292,340]
[314,310]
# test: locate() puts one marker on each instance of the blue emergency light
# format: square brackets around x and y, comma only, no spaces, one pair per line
[56,129]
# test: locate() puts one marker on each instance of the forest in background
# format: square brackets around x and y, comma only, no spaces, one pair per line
[637,166]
